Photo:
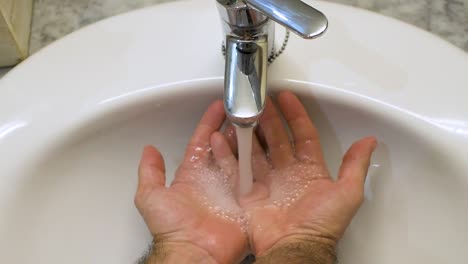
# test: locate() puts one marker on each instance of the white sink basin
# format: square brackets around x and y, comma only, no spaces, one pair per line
[75,116]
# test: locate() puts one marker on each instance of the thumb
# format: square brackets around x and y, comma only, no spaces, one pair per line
[151,172]
[356,162]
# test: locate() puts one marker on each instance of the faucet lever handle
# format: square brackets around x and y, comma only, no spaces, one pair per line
[296,15]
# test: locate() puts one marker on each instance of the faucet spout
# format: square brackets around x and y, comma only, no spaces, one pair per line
[245,79]
[250,41]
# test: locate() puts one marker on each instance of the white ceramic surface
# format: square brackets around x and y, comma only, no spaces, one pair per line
[75,116]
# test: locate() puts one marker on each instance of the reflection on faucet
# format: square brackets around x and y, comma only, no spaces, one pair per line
[245,80]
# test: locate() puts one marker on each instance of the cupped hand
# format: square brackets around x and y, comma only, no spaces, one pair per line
[199,211]
[294,198]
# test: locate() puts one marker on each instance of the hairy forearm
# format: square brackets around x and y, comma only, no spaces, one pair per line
[299,251]
[162,252]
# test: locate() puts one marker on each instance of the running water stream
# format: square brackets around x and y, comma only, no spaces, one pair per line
[244,142]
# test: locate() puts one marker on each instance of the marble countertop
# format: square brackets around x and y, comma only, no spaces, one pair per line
[52,19]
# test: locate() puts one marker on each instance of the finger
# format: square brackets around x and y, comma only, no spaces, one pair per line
[260,165]
[231,137]
[356,162]
[306,138]
[198,149]
[224,157]
[276,136]
[261,137]
[151,172]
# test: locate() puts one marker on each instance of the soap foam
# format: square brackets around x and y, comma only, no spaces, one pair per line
[289,184]
[216,189]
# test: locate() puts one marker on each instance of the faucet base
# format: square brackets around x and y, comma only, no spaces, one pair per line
[274,54]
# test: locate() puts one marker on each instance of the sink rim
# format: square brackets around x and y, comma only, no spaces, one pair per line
[27,113]
[9,83]
[32,113]
[404,123]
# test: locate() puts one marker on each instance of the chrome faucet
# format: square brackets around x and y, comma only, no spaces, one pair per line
[250,41]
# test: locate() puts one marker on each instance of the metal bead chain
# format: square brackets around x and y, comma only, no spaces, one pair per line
[274,55]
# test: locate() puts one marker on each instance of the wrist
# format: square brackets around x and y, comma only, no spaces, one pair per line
[301,249]
[178,252]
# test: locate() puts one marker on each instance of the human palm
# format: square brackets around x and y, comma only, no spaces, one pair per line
[199,209]
[319,212]
[294,196]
